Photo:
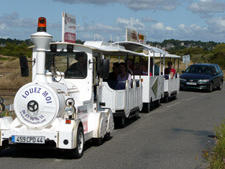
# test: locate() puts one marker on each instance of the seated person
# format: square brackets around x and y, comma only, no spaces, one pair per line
[113,75]
[144,70]
[170,70]
[112,79]
[130,66]
[79,68]
[122,77]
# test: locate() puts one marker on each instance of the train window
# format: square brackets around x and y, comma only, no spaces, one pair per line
[74,65]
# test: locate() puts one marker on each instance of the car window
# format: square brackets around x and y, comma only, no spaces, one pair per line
[212,70]
[218,70]
[201,69]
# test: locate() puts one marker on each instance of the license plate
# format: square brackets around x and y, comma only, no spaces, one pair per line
[191,83]
[28,139]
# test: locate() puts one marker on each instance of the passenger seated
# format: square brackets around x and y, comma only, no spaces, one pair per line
[130,66]
[169,71]
[122,77]
[144,70]
[112,79]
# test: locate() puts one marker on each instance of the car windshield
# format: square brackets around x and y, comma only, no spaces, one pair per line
[200,69]
[74,65]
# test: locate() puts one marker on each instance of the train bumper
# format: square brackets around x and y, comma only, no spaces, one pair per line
[12,132]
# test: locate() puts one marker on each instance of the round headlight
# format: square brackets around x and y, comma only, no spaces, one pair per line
[70,102]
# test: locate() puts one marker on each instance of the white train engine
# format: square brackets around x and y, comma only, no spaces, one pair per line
[60,104]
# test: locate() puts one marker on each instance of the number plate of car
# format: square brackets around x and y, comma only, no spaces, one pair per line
[28,139]
[191,83]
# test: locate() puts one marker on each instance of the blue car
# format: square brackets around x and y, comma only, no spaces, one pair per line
[202,76]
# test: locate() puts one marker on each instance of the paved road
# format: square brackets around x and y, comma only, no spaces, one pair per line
[171,137]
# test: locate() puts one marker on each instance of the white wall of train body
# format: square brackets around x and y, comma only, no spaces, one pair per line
[122,100]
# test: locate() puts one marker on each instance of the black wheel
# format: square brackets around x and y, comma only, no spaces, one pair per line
[122,121]
[79,150]
[166,99]
[107,136]
[210,89]
[137,114]
[220,85]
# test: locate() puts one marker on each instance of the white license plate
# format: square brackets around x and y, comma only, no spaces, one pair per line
[191,83]
[28,139]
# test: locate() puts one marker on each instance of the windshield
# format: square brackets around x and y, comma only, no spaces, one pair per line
[74,65]
[200,69]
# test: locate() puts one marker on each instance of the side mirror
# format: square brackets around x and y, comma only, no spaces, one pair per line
[24,66]
[103,68]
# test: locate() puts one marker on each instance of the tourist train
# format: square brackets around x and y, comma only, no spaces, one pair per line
[77,94]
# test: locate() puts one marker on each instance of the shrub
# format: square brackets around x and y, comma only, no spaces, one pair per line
[216,158]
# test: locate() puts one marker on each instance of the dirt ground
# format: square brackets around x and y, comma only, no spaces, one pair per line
[10,78]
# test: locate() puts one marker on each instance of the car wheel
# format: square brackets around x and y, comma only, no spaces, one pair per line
[79,150]
[220,85]
[210,89]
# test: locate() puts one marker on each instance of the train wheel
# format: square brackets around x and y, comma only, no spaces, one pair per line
[79,150]
[166,99]
[107,136]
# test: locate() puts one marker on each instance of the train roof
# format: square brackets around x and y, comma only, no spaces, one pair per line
[135,46]
[109,48]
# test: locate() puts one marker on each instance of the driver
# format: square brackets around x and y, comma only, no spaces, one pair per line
[79,68]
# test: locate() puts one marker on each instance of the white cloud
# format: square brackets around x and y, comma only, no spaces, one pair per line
[14,26]
[131,23]
[161,27]
[217,25]
[158,26]
[98,28]
[132,4]
[2,26]
[207,6]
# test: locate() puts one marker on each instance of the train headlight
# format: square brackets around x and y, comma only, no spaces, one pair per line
[70,109]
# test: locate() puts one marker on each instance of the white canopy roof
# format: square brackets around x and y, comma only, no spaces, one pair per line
[172,56]
[110,48]
[135,46]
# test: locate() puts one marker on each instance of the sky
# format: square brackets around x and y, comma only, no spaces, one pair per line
[107,20]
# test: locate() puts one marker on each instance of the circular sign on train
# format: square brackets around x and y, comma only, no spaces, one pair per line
[36,105]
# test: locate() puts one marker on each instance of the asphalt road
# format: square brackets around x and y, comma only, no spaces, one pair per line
[172,136]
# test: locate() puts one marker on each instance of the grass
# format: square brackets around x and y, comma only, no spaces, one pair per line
[216,157]
[10,71]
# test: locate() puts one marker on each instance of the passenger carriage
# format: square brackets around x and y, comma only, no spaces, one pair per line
[125,101]
[153,81]
[171,84]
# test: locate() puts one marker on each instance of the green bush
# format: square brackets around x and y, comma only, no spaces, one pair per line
[216,158]
[218,55]
[13,49]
